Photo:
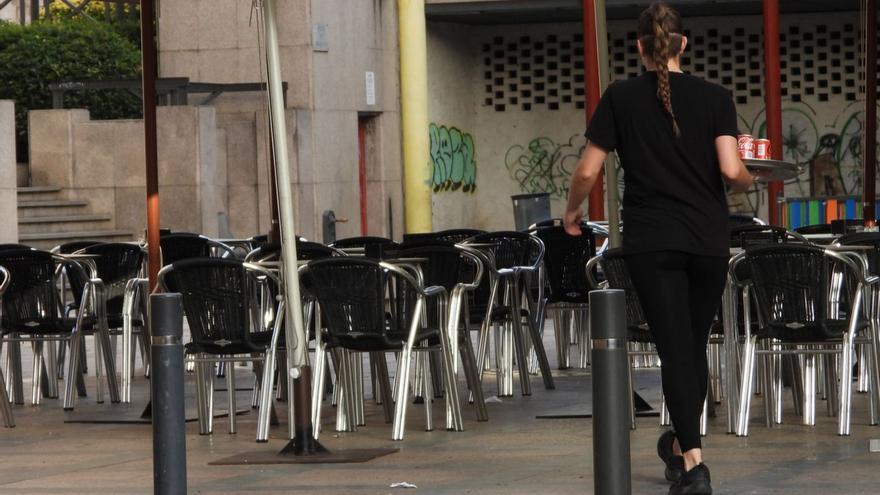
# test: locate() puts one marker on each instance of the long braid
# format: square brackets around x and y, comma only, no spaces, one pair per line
[656,25]
[661,60]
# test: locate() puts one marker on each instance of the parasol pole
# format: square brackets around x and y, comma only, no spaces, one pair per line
[148,51]
[592,93]
[302,434]
[870,165]
[773,101]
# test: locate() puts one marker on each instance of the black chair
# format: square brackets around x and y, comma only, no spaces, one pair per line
[509,257]
[361,242]
[740,219]
[217,303]
[5,407]
[458,270]
[6,247]
[73,246]
[640,340]
[452,236]
[841,226]
[122,293]
[32,313]
[351,293]
[565,259]
[822,228]
[748,235]
[798,299]
[177,246]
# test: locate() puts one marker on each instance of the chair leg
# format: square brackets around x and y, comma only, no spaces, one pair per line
[664,413]
[109,361]
[357,378]
[230,395]
[538,344]
[37,383]
[51,365]
[202,399]
[73,371]
[320,373]
[384,384]
[402,386]
[562,360]
[809,408]
[846,359]
[472,374]
[519,342]
[746,387]
[427,387]
[61,355]
[13,361]
[5,406]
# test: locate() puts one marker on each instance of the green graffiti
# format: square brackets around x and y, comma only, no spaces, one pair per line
[543,165]
[452,159]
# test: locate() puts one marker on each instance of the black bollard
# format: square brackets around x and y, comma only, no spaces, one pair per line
[166,386]
[611,415]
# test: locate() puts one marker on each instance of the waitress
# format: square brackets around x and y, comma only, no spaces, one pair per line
[676,137]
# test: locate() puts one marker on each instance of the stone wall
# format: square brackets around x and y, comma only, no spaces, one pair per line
[8,201]
[103,162]
[214,41]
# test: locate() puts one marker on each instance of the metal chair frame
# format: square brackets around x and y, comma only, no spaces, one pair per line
[5,406]
[204,374]
[863,302]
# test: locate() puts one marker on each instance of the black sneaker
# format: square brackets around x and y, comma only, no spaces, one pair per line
[674,463]
[697,481]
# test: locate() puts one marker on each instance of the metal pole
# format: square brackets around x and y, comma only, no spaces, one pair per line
[414,115]
[301,428]
[592,93]
[611,180]
[166,386]
[148,92]
[773,101]
[870,170]
[611,400]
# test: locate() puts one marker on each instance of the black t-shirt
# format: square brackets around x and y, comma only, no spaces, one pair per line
[674,196]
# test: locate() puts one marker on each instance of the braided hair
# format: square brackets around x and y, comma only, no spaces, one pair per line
[660,35]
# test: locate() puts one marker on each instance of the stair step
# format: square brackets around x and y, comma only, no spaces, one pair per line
[50,239]
[32,193]
[65,218]
[38,189]
[49,207]
[63,223]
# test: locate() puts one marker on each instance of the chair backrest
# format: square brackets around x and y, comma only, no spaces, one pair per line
[7,247]
[361,242]
[73,246]
[740,219]
[865,239]
[565,257]
[614,268]
[351,294]
[216,297]
[452,236]
[790,285]
[115,264]
[750,235]
[31,298]
[179,246]
[509,248]
[822,228]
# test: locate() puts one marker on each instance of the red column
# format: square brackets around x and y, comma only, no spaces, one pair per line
[592,93]
[148,44]
[870,164]
[773,99]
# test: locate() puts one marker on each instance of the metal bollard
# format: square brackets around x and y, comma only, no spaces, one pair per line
[166,386]
[611,401]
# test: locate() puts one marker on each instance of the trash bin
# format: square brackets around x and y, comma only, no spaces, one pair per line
[529,209]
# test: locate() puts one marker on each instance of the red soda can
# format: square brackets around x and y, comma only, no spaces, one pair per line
[746,146]
[762,149]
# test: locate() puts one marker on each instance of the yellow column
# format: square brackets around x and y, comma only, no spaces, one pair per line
[414,115]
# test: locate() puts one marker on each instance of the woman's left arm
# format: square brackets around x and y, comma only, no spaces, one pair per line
[582,181]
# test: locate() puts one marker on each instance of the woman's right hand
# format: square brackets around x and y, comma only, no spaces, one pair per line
[572,222]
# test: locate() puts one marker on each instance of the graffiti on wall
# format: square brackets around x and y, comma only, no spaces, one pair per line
[452,159]
[829,151]
[543,165]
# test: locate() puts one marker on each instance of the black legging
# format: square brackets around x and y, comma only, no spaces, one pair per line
[680,294]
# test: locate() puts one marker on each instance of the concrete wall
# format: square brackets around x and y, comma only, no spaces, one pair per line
[211,41]
[8,201]
[477,76]
[103,162]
